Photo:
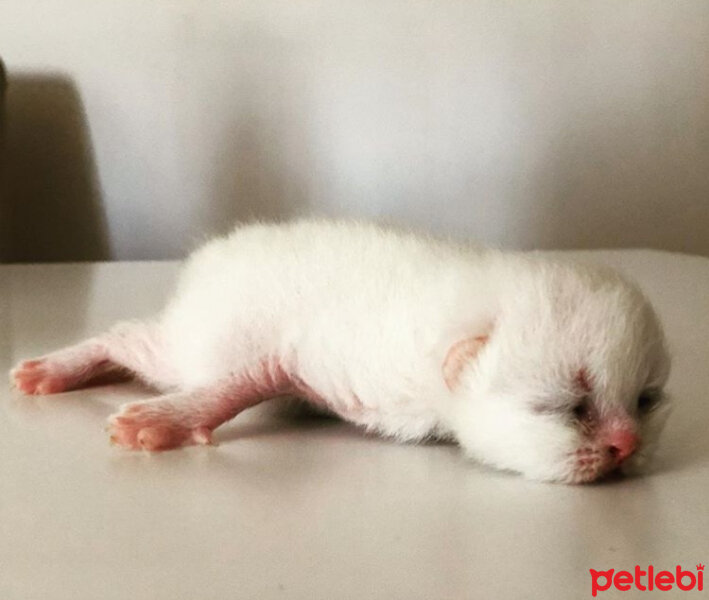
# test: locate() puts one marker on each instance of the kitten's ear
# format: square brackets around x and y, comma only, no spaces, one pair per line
[460,354]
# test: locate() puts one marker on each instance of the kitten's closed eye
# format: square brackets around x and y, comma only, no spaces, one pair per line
[649,400]
[582,410]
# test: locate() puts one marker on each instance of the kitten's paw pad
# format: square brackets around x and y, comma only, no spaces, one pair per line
[139,426]
[39,377]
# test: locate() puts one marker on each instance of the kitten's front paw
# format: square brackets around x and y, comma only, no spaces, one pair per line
[143,426]
[40,376]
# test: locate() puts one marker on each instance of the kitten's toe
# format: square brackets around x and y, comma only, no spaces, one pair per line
[139,427]
[39,377]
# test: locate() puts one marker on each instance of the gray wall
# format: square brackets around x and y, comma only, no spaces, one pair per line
[136,127]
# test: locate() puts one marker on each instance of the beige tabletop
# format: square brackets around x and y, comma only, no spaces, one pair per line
[298,507]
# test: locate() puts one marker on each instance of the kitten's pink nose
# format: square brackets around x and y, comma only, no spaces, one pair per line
[621,444]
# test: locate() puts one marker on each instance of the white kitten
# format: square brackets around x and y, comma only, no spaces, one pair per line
[548,368]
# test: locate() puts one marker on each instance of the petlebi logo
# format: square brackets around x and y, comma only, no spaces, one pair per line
[648,579]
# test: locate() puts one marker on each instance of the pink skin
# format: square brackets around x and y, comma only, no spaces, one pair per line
[129,348]
[65,370]
[611,440]
[168,421]
[611,445]
[461,354]
[50,375]
[182,418]
[190,417]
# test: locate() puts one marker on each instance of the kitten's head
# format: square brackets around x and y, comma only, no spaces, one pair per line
[566,383]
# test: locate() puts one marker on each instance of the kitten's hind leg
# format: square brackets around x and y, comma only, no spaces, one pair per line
[184,418]
[128,349]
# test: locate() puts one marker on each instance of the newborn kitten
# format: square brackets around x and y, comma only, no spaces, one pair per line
[551,369]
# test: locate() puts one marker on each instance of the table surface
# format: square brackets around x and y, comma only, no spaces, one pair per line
[297,507]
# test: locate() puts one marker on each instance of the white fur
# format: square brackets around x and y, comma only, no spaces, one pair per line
[365,316]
